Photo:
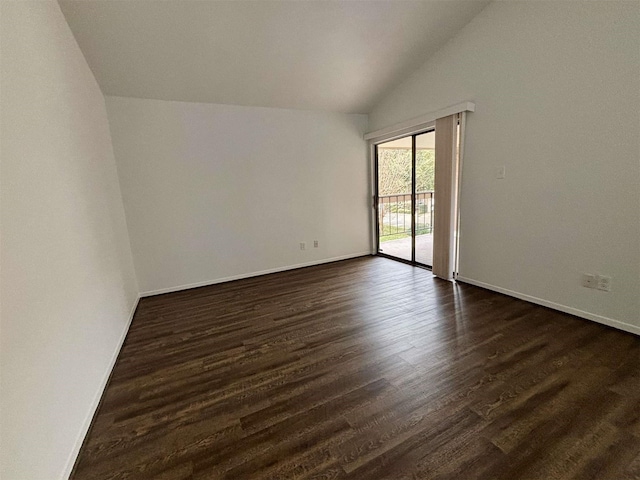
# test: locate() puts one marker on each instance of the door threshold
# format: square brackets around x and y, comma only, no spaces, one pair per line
[402,260]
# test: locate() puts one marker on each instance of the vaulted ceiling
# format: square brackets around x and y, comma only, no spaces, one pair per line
[339,55]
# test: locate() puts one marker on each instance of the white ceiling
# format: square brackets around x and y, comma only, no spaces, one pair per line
[340,55]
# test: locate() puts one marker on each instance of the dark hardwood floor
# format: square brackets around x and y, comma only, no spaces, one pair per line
[365,369]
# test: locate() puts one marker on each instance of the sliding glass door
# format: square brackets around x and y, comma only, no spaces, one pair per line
[394,198]
[425,165]
[405,172]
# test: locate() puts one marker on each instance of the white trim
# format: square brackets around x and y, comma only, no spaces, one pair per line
[97,397]
[251,274]
[462,121]
[627,327]
[409,127]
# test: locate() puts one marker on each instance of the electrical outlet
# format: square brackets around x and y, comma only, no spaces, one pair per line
[303,246]
[589,280]
[501,172]
[604,283]
[315,244]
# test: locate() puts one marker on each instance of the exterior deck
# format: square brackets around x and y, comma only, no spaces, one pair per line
[401,248]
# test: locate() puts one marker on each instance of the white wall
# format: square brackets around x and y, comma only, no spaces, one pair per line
[558,103]
[67,278]
[213,192]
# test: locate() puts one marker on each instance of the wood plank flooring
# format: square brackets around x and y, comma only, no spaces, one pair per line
[365,369]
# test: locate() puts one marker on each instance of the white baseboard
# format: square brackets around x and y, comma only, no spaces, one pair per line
[96,399]
[627,327]
[251,274]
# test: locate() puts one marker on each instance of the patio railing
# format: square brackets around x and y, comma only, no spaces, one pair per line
[394,215]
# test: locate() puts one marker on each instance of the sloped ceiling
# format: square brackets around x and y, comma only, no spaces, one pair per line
[337,56]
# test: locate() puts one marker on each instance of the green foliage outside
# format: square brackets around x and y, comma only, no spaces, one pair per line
[394,170]
[391,232]
[394,177]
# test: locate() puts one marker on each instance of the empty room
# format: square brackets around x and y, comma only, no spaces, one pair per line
[324,239]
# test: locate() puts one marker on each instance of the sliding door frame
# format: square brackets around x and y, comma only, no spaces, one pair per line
[404,129]
[413,200]
[376,196]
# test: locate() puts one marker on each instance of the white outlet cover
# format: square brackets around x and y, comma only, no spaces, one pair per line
[589,280]
[604,283]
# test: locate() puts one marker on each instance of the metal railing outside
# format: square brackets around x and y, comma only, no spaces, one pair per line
[394,215]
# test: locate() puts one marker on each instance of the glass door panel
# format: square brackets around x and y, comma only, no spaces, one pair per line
[425,176]
[394,198]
